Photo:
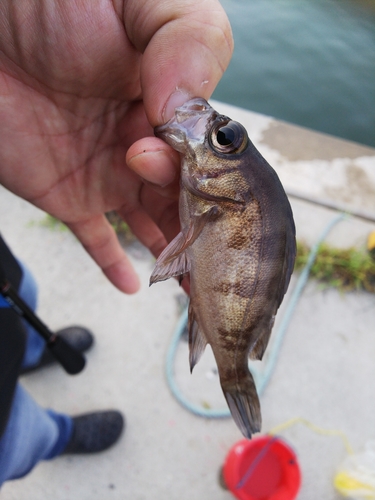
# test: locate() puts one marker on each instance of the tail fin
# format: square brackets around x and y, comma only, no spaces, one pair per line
[243,402]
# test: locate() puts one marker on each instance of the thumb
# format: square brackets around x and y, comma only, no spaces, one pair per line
[187,47]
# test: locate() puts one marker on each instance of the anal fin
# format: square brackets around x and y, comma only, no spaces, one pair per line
[260,345]
[197,341]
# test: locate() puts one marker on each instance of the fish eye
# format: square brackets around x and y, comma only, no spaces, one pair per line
[230,137]
[225,136]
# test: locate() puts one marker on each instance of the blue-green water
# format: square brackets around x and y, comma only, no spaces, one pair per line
[309,62]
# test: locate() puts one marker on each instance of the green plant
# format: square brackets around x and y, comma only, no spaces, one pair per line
[53,223]
[120,226]
[346,269]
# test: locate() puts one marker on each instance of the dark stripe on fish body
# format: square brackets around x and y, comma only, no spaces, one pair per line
[239,240]
[238,288]
[245,227]
[233,340]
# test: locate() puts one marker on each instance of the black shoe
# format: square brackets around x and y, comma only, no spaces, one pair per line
[78,337]
[94,432]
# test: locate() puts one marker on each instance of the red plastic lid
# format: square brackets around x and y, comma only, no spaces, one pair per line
[264,468]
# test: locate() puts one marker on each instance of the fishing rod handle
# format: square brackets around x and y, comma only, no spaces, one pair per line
[70,359]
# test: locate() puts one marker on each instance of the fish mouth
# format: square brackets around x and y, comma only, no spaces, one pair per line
[189,124]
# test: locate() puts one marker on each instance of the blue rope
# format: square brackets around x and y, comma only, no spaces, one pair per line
[262,377]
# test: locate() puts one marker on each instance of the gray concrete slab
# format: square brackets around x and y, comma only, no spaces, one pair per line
[325,371]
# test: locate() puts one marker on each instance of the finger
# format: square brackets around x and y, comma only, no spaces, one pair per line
[155,221]
[164,212]
[100,241]
[187,47]
[145,230]
[151,236]
[157,163]
[154,161]
[185,284]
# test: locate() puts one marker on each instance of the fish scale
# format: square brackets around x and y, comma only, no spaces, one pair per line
[237,242]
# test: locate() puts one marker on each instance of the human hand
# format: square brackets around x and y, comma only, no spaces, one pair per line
[81,86]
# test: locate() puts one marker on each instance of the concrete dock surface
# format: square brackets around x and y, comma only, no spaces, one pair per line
[325,371]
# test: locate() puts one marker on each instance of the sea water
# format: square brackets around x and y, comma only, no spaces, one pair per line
[309,62]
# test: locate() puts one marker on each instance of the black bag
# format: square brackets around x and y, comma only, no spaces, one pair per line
[12,337]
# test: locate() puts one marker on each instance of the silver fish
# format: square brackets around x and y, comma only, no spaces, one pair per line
[237,242]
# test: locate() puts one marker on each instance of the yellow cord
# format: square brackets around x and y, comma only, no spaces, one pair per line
[346,481]
[315,428]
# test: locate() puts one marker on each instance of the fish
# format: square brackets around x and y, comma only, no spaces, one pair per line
[237,244]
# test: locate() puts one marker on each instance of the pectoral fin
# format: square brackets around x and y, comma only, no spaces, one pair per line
[173,261]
